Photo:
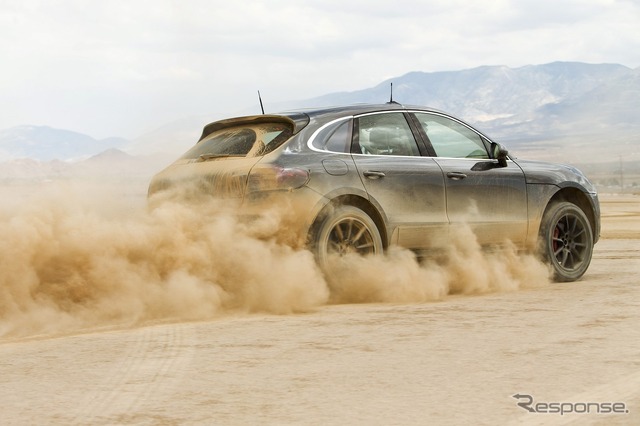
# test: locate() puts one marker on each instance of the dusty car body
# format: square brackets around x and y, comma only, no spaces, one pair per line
[366,177]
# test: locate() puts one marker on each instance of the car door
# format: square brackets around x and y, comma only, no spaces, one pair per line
[489,197]
[407,186]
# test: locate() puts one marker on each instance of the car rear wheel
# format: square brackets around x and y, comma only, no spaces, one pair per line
[344,230]
[567,241]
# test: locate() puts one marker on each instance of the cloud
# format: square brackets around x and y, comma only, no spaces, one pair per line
[74,64]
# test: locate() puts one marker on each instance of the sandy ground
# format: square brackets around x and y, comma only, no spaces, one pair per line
[456,361]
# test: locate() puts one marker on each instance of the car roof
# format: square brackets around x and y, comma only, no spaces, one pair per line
[299,118]
[356,109]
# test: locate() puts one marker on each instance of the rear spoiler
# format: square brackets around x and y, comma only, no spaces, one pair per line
[297,121]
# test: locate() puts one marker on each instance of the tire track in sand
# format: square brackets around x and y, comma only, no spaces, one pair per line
[147,372]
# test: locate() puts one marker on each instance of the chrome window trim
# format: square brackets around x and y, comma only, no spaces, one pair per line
[411,111]
[320,129]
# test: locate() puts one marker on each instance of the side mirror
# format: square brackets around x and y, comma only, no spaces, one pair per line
[499,153]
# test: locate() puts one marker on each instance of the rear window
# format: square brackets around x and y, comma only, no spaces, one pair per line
[251,140]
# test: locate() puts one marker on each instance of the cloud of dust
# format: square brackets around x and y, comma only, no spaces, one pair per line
[73,257]
[461,267]
[67,261]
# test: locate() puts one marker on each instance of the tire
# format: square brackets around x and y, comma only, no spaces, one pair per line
[343,230]
[566,241]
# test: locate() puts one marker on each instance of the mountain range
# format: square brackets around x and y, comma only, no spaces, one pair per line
[46,143]
[527,107]
[530,103]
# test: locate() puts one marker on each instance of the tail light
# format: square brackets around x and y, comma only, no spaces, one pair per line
[274,178]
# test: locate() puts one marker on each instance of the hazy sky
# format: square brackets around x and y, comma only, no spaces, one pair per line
[124,67]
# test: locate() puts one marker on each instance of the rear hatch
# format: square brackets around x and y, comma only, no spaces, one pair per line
[220,163]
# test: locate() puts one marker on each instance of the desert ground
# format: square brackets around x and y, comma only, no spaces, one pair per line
[428,356]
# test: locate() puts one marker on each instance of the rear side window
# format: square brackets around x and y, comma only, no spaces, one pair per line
[386,134]
[336,137]
[250,140]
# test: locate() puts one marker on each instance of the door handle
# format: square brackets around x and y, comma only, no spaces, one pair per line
[373,175]
[456,175]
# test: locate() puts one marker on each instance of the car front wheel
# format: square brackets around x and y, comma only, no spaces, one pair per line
[566,241]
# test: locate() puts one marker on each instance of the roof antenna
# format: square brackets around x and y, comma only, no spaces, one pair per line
[391,101]
[261,106]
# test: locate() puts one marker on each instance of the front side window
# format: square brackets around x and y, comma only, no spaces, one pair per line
[386,134]
[249,140]
[450,138]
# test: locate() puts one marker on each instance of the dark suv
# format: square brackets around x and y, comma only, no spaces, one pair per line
[369,176]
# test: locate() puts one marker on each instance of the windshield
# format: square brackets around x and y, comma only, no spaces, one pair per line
[251,140]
